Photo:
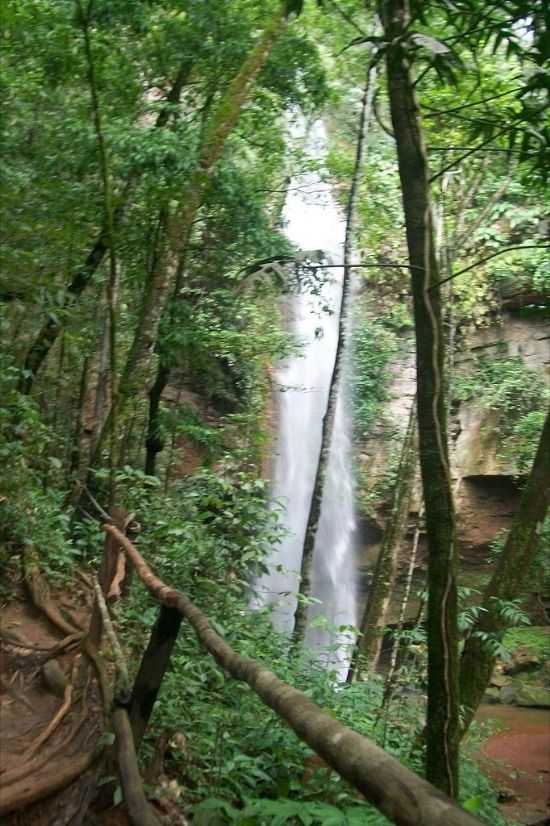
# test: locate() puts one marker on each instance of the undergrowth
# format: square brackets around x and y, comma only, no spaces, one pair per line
[234,760]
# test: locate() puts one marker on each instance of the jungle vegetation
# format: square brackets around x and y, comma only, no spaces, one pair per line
[146,157]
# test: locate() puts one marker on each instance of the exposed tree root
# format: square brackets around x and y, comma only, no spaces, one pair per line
[40,593]
[23,791]
[56,720]
[49,650]
[95,657]
[35,764]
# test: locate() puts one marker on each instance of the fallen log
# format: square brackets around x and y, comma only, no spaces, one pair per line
[404,797]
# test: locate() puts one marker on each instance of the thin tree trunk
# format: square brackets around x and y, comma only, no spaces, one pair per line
[180,224]
[154,442]
[153,666]
[112,283]
[76,452]
[442,716]
[374,617]
[408,800]
[140,811]
[50,330]
[300,616]
[509,579]
[402,612]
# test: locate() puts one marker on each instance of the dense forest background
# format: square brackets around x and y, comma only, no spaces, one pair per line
[147,152]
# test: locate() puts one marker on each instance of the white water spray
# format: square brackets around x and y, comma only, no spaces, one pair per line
[314,221]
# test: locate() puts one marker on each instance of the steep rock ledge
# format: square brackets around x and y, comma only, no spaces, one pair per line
[487,487]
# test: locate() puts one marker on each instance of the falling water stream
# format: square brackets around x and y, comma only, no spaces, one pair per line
[313,221]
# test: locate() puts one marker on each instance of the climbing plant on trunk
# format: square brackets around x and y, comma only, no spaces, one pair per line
[442,733]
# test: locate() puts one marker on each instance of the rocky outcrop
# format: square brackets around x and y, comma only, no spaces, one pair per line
[527,696]
[486,486]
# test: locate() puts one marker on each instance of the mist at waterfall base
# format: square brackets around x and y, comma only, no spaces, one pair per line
[313,221]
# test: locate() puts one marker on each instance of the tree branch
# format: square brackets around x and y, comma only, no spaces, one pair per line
[488,258]
[466,155]
[395,790]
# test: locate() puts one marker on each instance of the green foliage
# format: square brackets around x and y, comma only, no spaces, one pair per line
[32,493]
[535,639]
[213,531]
[510,613]
[280,812]
[373,346]
[468,614]
[517,394]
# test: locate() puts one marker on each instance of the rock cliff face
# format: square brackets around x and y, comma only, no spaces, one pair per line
[486,485]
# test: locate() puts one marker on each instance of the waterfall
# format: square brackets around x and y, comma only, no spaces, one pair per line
[313,221]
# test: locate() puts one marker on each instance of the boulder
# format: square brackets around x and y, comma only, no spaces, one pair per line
[545,673]
[521,694]
[492,695]
[522,661]
[508,693]
[533,696]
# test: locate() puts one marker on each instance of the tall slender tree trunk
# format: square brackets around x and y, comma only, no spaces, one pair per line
[314,515]
[180,224]
[375,613]
[112,283]
[50,330]
[442,717]
[509,580]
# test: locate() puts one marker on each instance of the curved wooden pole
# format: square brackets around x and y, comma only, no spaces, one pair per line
[396,791]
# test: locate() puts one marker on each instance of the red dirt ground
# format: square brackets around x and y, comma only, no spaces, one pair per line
[518,760]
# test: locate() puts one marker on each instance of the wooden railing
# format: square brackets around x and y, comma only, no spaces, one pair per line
[404,797]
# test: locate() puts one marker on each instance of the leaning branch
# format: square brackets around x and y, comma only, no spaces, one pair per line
[488,258]
[396,791]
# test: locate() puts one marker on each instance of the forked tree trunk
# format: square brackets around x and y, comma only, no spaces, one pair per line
[374,617]
[153,666]
[442,716]
[314,515]
[509,580]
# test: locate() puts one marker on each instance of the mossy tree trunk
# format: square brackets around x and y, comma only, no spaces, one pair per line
[509,580]
[374,617]
[180,224]
[442,715]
